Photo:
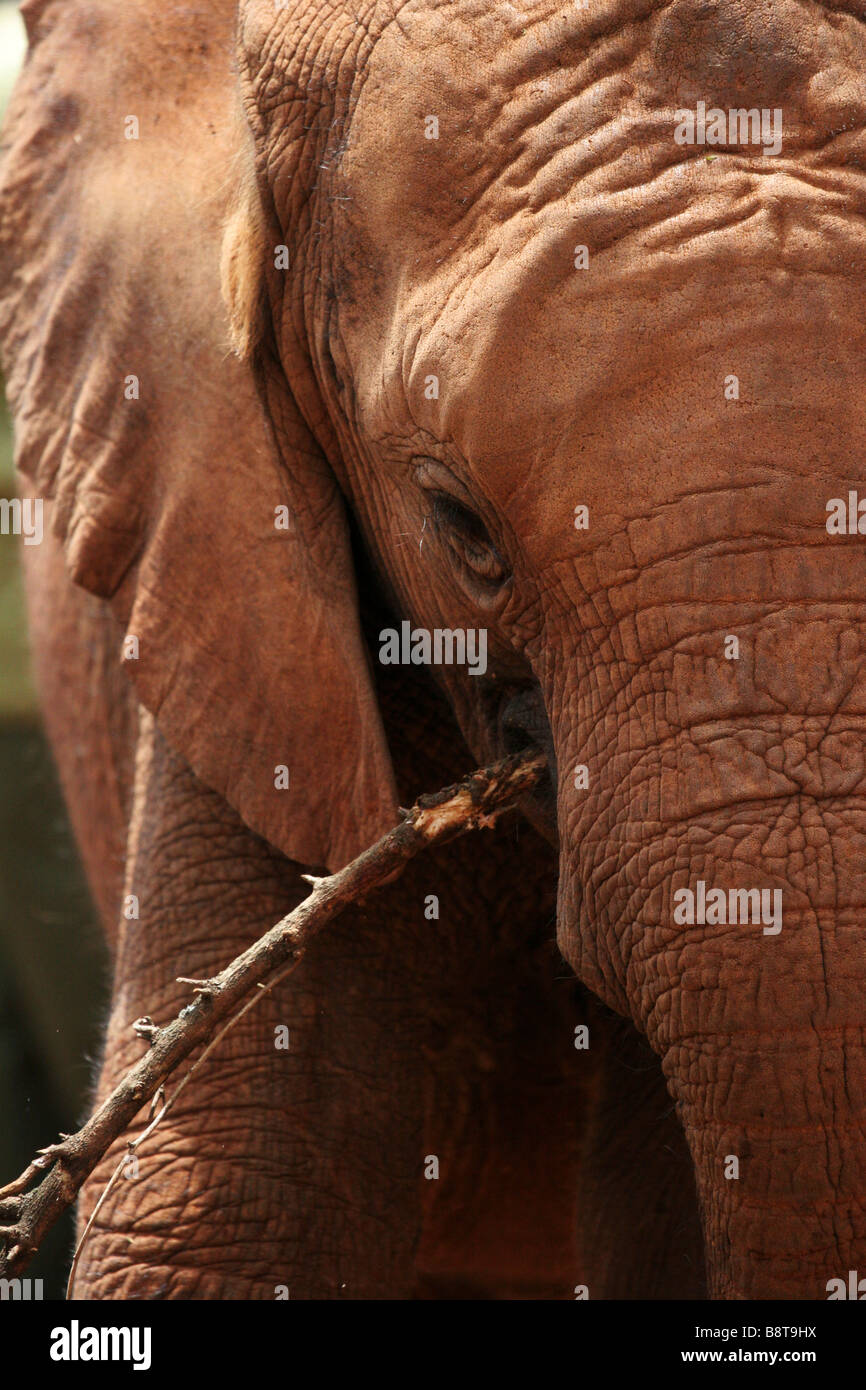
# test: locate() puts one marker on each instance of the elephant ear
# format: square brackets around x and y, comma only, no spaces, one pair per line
[218,536]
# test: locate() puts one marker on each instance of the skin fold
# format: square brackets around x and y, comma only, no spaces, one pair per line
[341,260]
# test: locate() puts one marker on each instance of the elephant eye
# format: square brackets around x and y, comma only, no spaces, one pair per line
[465,534]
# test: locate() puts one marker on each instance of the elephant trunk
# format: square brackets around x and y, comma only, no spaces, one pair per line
[775,1126]
[712,888]
[765,1059]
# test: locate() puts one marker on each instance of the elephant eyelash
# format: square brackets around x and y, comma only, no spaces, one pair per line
[467,536]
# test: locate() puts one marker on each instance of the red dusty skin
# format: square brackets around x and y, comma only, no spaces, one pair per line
[740,775]
[562,308]
[698,387]
[720,708]
[763,1046]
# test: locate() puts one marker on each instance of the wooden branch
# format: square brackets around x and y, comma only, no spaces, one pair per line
[28,1212]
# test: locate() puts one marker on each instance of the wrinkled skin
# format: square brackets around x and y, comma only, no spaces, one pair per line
[557,386]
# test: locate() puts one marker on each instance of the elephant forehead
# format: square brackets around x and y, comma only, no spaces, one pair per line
[469,112]
[511,175]
[518,339]
[466,115]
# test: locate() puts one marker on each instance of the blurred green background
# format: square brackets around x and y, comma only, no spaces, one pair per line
[52,964]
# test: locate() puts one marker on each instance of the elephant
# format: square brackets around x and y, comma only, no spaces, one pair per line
[332,324]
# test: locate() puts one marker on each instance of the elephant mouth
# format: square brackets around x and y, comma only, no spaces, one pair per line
[521,723]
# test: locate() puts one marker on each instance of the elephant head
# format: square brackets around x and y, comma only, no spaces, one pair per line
[509,326]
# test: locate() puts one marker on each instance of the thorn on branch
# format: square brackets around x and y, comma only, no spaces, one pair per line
[146,1028]
[51,1153]
[313,880]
